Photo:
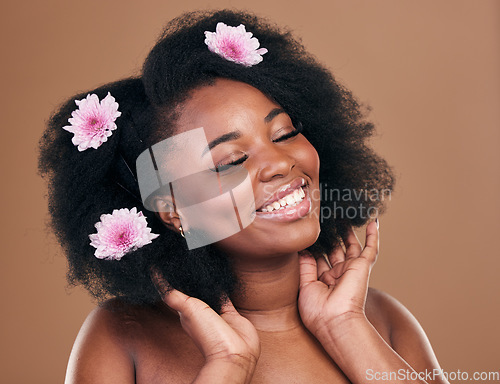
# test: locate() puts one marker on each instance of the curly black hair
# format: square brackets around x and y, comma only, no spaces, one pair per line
[85,185]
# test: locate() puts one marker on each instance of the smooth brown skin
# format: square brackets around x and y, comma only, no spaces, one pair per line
[333,333]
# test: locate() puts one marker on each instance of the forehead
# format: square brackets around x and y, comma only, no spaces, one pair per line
[226,105]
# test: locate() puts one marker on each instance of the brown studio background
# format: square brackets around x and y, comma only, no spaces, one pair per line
[430,71]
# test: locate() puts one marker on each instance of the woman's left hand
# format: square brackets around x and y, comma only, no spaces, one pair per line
[330,296]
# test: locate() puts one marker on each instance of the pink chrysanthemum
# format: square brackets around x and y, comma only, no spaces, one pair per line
[93,121]
[235,44]
[119,233]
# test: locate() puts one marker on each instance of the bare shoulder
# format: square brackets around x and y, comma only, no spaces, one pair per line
[385,311]
[401,330]
[377,312]
[99,353]
[391,317]
[118,322]
[111,339]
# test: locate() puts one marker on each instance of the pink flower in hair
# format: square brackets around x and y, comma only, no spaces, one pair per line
[235,44]
[119,233]
[93,122]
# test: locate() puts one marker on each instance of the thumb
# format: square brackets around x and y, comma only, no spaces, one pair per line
[176,300]
[308,269]
[227,306]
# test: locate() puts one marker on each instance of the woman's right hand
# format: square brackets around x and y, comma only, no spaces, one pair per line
[229,342]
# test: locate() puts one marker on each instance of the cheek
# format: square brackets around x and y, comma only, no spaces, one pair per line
[308,162]
[307,158]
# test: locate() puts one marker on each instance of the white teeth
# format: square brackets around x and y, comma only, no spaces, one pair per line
[301,192]
[291,199]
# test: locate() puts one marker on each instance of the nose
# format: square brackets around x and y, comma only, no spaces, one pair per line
[274,162]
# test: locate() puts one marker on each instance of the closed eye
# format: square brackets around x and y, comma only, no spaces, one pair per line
[225,167]
[289,135]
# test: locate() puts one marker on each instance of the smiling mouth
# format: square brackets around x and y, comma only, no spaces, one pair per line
[290,200]
[287,196]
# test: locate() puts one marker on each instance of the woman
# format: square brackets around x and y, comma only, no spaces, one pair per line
[192,198]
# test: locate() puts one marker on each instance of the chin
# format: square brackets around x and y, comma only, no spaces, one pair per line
[296,239]
[272,239]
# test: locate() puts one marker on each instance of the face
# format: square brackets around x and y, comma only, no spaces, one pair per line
[244,128]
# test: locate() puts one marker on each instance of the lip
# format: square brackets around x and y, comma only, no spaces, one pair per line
[291,213]
[283,191]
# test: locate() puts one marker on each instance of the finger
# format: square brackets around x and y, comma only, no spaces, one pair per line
[353,246]
[308,269]
[371,249]
[227,306]
[337,255]
[176,300]
[328,278]
[162,285]
[323,265]
[338,270]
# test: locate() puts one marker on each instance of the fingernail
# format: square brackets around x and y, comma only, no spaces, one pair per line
[376,221]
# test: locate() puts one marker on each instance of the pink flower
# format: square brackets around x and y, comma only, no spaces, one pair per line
[93,121]
[119,233]
[235,44]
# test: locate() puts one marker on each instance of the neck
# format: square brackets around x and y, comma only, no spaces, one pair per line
[269,292]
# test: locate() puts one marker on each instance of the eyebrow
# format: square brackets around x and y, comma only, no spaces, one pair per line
[271,115]
[237,134]
[222,139]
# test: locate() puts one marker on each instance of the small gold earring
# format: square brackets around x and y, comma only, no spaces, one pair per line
[181,231]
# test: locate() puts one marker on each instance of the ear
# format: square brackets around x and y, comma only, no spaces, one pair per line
[165,211]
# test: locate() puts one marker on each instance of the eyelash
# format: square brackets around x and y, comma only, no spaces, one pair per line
[223,167]
[241,160]
[289,135]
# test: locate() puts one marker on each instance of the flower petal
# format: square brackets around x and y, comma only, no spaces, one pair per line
[93,121]
[235,44]
[119,233]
